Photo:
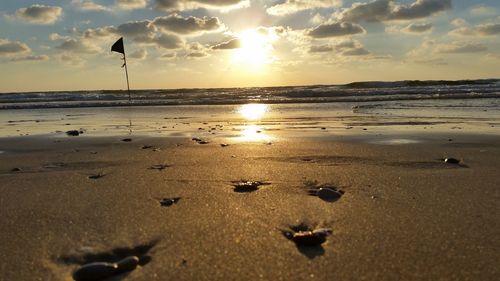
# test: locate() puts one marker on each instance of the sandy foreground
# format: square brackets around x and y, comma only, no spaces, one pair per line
[404,215]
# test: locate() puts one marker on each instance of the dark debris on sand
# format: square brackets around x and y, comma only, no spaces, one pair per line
[126,140]
[74,133]
[96,176]
[247,186]
[160,167]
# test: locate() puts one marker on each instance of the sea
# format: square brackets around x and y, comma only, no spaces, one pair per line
[471,106]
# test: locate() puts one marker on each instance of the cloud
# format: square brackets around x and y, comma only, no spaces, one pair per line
[335,29]
[131,4]
[8,48]
[39,14]
[88,5]
[142,32]
[356,52]
[168,56]
[483,10]
[188,26]
[418,28]
[167,41]
[197,51]
[388,10]
[180,5]
[78,46]
[231,44]
[293,6]
[460,48]
[489,29]
[140,54]
[30,58]
[326,48]
[344,48]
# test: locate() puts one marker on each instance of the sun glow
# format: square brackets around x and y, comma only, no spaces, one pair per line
[255,48]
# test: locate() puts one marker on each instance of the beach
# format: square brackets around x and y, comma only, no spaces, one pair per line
[166,193]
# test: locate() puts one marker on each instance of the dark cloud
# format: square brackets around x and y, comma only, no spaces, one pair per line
[418,27]
[12,48]
[39,14]
[187,26]
[387,10]
[335,29]
[461,47]
[179,5]
[231,44]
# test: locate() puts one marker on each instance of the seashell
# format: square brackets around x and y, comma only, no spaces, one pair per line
[96,271]
[127,264]
[166,202]
[328,194]
[159,167]
[224,144]
[247,186]
[451,161]
[311,238]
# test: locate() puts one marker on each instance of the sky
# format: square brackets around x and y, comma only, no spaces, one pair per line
[65,45]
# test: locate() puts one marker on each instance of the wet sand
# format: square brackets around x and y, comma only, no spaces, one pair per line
[404,213]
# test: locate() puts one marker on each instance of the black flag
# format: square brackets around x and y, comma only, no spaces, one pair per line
[118,46]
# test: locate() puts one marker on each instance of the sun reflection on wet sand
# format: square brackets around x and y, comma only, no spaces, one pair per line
[253,132]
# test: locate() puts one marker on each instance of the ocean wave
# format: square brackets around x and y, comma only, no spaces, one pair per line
[353,93]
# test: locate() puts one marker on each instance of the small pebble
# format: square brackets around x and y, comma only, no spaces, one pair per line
[224,144]
[16,169]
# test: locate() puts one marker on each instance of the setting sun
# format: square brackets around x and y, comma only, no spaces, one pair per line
[256,48]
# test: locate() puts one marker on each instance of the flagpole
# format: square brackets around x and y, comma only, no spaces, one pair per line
[126,74]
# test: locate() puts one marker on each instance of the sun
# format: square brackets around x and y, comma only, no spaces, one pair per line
[255,48]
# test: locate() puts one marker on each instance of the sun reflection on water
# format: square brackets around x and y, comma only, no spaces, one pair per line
[253,111]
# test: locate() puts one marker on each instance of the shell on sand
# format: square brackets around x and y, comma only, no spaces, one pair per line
[101,270]
[326,193]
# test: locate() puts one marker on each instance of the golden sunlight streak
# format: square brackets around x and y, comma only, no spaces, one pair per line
[256,48]
[253,111]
